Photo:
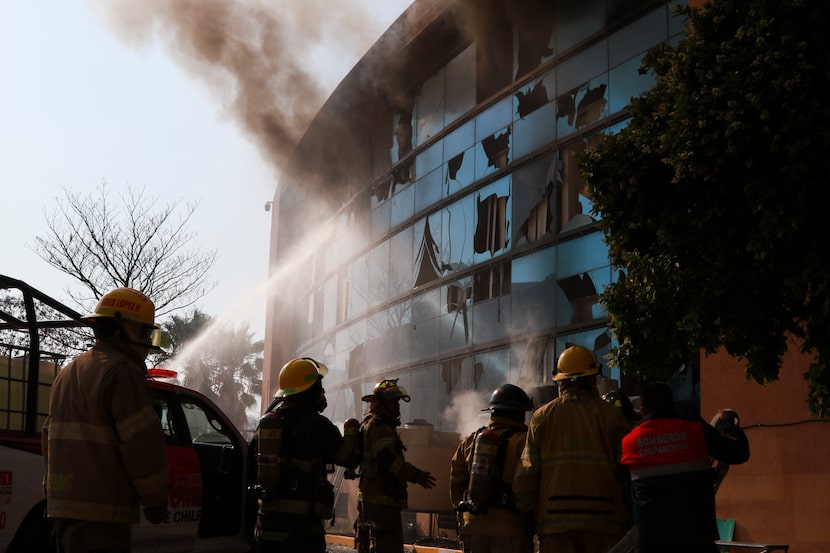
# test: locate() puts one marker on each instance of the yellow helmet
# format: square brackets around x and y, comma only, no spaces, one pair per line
[128,304]
[298,375]
[388,389]
[576,362]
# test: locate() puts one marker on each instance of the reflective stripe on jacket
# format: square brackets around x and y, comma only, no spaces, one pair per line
[102,442]
[570,473]
[672,479]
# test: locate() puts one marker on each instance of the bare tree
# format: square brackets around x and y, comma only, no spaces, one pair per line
[135,242]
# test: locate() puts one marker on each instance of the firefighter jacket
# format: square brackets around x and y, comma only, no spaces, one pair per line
[569,474]
[500,520]
[383,471]
[672,481]
[102,441]
[310,443]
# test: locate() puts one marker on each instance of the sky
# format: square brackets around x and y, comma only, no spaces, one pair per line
[134,94]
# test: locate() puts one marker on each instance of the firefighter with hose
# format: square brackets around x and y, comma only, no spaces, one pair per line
[481,478]
[296,449]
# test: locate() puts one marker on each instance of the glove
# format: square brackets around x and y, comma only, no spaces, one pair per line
[425,479]
[156,514]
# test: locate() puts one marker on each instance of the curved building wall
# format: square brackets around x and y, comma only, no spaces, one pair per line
[433,226]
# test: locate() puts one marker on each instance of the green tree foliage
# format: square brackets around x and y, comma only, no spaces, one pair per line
[712,197]
[220,360]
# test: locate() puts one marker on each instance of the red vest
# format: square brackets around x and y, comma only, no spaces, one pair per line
[661,446]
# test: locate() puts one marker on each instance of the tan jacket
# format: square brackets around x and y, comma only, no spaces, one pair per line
[497,521]
[102,441]
[384,472]
[570,474]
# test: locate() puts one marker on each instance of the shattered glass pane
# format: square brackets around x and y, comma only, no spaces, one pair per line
[535,131]
[494,118]
[533,201]
[493,153]
[457,234]
[459,172]
[493,218]
[625,83]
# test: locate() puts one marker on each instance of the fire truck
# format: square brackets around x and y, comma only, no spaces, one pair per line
[208,459]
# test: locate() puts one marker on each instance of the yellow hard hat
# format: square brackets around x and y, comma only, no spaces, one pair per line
[128,304]
[298,375]
[387,389]
[576,362]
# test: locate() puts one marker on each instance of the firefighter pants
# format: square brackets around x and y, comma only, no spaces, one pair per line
[378,529]
[496,544]
[577,541]
[82,536]
[290,533]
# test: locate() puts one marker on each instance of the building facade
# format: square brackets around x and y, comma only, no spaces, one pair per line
[433,226]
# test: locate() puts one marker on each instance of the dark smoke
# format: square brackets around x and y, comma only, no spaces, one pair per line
[264,60]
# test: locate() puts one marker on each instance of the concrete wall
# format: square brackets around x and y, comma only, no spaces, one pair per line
[782,494]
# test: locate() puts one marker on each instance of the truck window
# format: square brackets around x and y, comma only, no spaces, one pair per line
[204,427]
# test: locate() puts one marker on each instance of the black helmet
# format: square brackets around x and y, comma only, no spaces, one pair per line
[511,398]
[620,400]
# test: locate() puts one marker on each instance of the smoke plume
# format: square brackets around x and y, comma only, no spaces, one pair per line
[271,64]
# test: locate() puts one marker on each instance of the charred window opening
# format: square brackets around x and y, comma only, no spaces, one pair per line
[402,172]
[492,282]
[492,227]
[530,101]
[534,21]
[582,296]
[540,221]
[587,110]
[497,149]
[454,166]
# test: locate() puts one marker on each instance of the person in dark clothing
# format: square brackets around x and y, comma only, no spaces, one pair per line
[672,480]
[295,447]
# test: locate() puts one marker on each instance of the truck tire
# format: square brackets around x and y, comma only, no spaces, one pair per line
[34,534]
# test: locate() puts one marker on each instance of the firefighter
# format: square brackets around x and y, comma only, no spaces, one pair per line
[296,448]
[622,401]
[384,473]
[672,480]
[481,478]
[102,441]
[570,474]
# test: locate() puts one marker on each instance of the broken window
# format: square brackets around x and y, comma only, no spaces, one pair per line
[534,37]
[458,232]
[583,268]
[575,207]
[459,170]
[533,199]
[455,321]
[379,284]
[492,153]
[491,370]
[534,95]
[401,148]
[581,294]
[493,218]
[428,263]
[582,106]
[491,282]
